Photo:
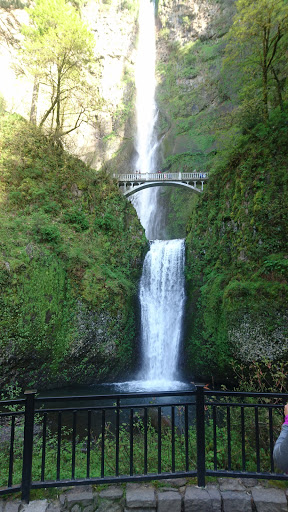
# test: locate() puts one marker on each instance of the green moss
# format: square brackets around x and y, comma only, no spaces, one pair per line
[237,252]
[68,237]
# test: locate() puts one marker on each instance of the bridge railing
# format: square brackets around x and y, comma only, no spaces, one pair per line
[78,440]
[161,176]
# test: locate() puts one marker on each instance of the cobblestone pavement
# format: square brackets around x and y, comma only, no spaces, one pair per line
[225,495]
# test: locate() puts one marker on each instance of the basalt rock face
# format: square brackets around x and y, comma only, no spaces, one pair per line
[110,138]
[190,96]
[189,45]
[190,50]
[236,243]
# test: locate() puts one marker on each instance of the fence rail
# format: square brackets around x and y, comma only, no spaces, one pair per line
[60,441]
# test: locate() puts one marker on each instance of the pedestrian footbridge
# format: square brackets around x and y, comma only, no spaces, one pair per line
[129,184]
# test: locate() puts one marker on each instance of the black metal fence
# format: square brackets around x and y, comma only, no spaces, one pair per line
[62,441]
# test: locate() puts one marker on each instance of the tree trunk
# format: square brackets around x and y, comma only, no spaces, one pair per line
[58,105]
[265,94]
[279,90]
[34,103]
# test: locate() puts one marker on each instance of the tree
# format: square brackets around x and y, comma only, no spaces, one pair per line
[257,42]
[58,52]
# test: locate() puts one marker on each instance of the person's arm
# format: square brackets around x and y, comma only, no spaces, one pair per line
[280,452]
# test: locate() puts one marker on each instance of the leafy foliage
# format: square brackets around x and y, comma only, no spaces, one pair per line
[70,245]
[57,51]
[257,44]
[237,256]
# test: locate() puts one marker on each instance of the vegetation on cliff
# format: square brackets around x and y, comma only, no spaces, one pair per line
[237,263]
[71,253]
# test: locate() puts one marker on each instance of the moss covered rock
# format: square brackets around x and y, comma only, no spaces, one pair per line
[71,255]
[237,261]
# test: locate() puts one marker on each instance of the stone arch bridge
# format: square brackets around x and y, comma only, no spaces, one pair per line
[129,184]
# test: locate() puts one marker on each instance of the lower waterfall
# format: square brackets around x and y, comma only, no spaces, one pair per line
[162,298]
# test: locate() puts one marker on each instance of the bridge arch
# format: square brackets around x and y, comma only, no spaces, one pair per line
[142,186]
[129,184]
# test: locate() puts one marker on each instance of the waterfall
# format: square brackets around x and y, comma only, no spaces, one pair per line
[146,143]
[161,292]
[162,302]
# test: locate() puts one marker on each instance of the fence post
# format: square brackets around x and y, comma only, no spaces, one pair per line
[28,445]
[200,429]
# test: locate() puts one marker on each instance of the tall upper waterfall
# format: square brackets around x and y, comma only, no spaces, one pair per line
[146,143]
[146,109]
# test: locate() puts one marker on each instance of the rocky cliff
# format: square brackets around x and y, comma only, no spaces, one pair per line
[237,264]
[236,232]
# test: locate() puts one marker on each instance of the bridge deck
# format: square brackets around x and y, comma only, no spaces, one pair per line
[185,177]
[134,182]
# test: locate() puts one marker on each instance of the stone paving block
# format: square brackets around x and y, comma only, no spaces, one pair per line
[62,500]
[12,506]
[230,484]
[169,501]
[35,506]
[269,500]
[197,499]
[236,501]
[89,508]
[215,496]
[83,498]
[168,489]
[176,482]
[249,482]
[2,504]
[107,506]
[54,506]
[76,508]
[111,493]
[79,488]
[139,509]
[140,496]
